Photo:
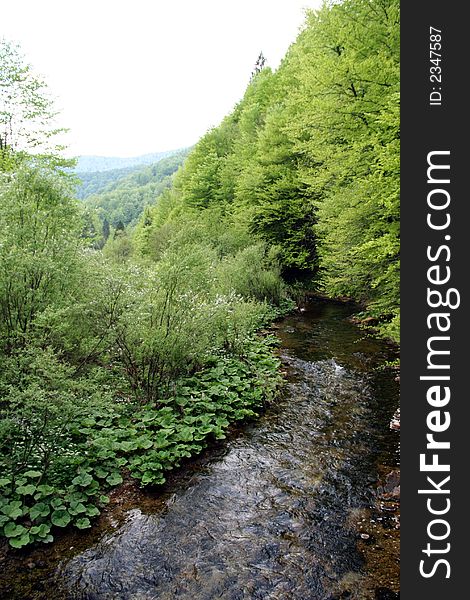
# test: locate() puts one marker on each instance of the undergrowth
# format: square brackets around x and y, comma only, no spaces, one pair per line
[125,439]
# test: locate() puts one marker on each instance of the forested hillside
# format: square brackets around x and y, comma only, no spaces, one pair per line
[122,362]
[94,164]
[122,198]
[308,162]
[94,182]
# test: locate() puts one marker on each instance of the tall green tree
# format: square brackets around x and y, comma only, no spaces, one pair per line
[27,114]
[308,160]
[343,121]
[39,241]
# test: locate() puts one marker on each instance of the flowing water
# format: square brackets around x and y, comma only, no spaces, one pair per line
[291,506]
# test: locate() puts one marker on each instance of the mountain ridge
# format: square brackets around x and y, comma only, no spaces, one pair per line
[91,163]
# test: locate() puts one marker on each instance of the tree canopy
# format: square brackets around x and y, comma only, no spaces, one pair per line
[309,160]
[27,114]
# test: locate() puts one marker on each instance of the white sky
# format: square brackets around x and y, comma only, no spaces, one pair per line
[139,76]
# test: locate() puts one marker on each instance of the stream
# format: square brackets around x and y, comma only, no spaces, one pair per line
[300,504]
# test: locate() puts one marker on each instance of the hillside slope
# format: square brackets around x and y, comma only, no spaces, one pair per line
[123,197]
[91,164]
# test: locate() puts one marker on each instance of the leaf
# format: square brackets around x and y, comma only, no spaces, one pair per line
[92,489]
[152,477]
[104,499]
[19,542]
[58,504]
[219,434]
[101,473]
[185,434]
[82,523]
[33,474]
[92,511]
[76,508]
[41,531]
[42,491]
[13,509]
[161,441]
[60,518]
[83,480]
[114,479]
[77,496]
[39,510]
[13,530]
[4,482]
[26,490]
[105,454]
[148,416]
[144,442]
[85,469]
[128,446]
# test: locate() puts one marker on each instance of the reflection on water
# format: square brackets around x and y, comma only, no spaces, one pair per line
[273,513]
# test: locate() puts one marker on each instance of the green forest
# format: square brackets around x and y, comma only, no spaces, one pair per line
[134,320]
[121,200]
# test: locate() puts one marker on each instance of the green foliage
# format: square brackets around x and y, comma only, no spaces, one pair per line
[120,368]
[344,122]
[95,182]
[308,162]
[26,108]
[124,198]
[145,442]
[38,245]
[123,362]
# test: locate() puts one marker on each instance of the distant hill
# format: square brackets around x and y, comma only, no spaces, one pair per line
[97,181]
[88,164]
[122,194]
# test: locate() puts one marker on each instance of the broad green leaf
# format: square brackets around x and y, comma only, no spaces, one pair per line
[128,446]
[14,530]
[26,490]
[76,508]
[13,509]
[83,480]
[83,523]
[41,530]
[33,474]
[60,518]
[19,542]
[42,491]
[39,510]
[92,489]
[114,478]
[101,473]
[92,511]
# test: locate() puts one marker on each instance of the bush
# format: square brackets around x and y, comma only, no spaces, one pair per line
[254,273]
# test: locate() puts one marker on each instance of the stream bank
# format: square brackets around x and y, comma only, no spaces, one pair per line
[299,504]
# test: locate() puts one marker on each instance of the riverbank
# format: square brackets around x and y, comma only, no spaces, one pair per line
[284,504]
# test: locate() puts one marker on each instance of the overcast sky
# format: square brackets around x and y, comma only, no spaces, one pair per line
[139,76]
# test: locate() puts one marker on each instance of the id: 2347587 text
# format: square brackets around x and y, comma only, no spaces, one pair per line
[435,69]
